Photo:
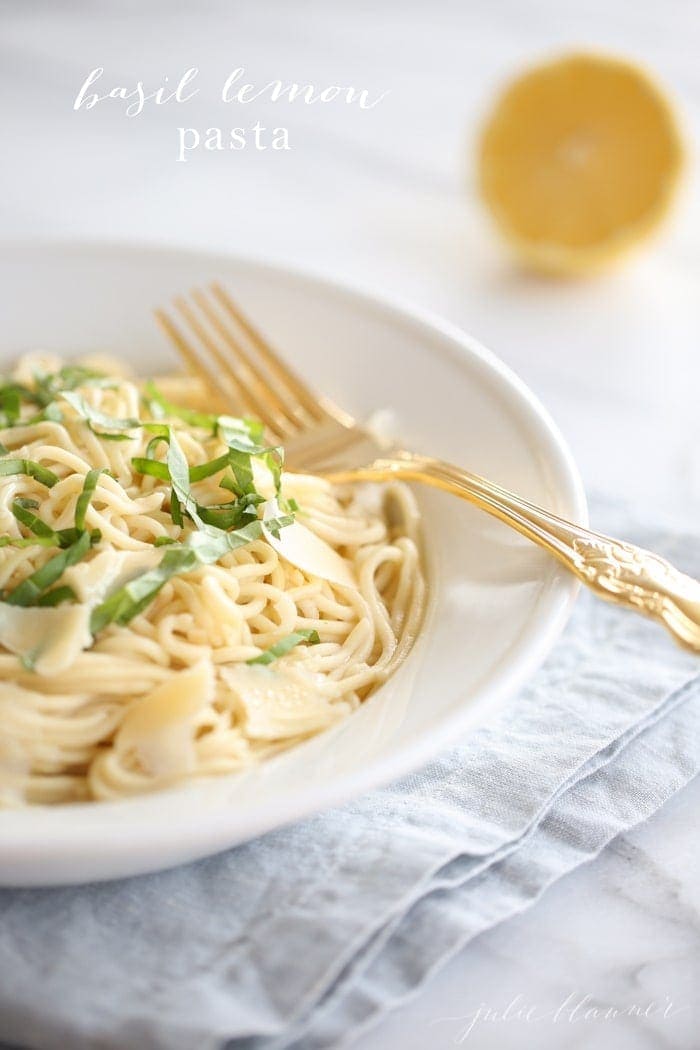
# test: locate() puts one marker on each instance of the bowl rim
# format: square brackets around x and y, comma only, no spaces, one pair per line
[20,827]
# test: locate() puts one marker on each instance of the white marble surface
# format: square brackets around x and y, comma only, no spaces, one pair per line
[383,197]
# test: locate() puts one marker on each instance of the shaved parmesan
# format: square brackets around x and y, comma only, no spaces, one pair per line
[307,551]
[48,639]
[160,727]
[262,478]
[109,570]
[276,704]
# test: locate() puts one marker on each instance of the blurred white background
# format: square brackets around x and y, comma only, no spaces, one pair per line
[385,198]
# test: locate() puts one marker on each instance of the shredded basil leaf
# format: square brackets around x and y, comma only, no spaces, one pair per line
[24,541]
[206,470]
[88,491]
[159,406]
[23,510]
[126,603]
[44,534]
[106,436]
[52,414]
[162,434]
[33,470]
[232,515]
[47,386]
[242,468]
[23,392]
[285,645]
[180,475]
[179,471]
[245,434]
[56,596]
[9,406]
[33,588]
[151,466]
[176,510]
[95,418]
[200,548]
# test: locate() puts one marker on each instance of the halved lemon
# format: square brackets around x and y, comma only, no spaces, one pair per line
[579,161]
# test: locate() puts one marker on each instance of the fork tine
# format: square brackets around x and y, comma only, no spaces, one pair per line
[289,407]
[317,407]
[255,401]
[202,365]
[192,360]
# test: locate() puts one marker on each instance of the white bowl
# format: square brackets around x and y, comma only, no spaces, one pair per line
[497,603]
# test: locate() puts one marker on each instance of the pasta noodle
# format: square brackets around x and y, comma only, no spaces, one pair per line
[170,607]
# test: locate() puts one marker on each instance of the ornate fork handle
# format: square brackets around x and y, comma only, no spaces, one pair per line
[614,569]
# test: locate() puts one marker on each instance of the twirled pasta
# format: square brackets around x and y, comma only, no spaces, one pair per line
[171,694]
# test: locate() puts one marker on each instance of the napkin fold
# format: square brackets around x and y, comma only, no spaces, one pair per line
[305,937]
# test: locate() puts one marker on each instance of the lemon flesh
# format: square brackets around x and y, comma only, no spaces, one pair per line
[579,161]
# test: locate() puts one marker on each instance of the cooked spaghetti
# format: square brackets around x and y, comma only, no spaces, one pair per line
[173,604]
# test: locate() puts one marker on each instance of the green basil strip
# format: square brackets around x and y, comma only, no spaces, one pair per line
[200,548]
[9,406]
[77,375]
[51,414]
[130,600]
[30,590]
[30,541]
[154,398]
[241,448]
[30,468]
[179,471]
[242,468]
[157,469]
[205,470]
[153,445]
[243,434]
[238,435]
[285,645]
[274,525]
[49,385]
[23,392]
[88,491]
[274,460]
[118,436]
[97,418]
[47,388]
[23,512]
[151,466]
[176,510]
[56,596]
[63,538]
[231,515]
[44,534]
[222,517]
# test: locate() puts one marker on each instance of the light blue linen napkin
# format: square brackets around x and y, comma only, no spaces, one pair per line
[305,937]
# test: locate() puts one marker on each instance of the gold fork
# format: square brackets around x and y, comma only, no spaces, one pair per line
[221,346]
